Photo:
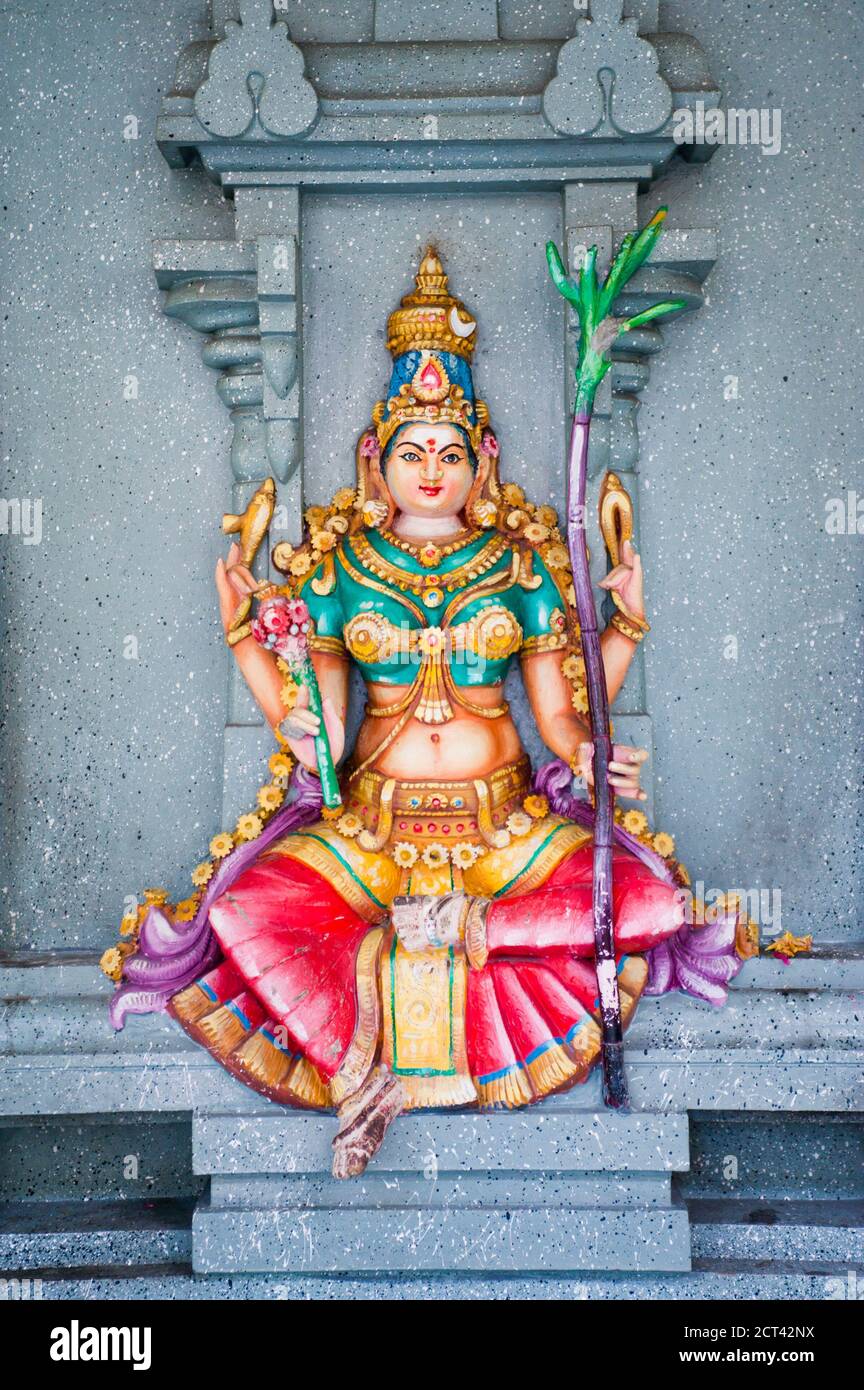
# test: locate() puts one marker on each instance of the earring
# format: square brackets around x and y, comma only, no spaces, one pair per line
[375,513]
[484,513]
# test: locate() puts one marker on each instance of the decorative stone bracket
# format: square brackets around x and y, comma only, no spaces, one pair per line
[242,297]
[608,80]
[255,80]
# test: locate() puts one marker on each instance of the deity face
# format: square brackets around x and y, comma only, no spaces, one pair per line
[429,472]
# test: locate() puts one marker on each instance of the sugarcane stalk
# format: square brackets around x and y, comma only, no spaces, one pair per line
[598,331]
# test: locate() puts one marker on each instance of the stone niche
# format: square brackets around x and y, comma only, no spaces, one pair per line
[510,126]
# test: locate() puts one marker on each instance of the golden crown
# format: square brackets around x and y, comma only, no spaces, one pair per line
[430,317]
[432,322]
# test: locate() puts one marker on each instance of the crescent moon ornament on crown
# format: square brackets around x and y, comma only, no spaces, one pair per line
[431,338]
[462,330]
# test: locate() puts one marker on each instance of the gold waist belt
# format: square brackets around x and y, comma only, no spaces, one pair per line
[440,811]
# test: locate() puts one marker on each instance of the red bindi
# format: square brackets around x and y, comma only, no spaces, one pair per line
[431,444]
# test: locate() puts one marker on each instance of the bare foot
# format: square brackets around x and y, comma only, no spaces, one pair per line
[364,1119]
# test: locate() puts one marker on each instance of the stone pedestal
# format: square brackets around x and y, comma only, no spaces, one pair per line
[554,1188]
[740,1146]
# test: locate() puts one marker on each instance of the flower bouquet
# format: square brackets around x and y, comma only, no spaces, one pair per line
[282,625]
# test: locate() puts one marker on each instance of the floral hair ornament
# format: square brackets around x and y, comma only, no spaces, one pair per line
[283,625]
[489,444]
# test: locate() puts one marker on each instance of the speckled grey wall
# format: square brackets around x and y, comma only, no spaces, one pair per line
[113,764]
[759,758]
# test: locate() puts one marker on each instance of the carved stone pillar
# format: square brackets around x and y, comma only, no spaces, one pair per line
[243,296]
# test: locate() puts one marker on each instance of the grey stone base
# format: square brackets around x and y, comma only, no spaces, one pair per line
[39,1235]
[566,1189]
[562,1200]
[701,1285]
[401,1240]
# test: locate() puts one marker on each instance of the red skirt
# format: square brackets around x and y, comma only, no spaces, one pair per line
[295,1008]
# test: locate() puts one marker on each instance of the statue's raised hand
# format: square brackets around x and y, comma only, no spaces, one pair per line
[626,580]
[234,583]
[625,768]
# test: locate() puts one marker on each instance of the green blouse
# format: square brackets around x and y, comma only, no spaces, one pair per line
[474,606]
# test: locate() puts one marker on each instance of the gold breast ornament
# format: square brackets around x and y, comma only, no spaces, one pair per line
[493,634]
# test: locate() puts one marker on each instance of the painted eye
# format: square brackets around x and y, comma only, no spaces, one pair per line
[410,457]
[452,458]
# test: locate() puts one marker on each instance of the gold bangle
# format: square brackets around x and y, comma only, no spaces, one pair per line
[476,948]
[238,634]
[635,630]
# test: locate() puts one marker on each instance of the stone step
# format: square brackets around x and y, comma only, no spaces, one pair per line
[431,1192]
[795,1017]
[702,1285]
[541,1189]
[778,1232]
[40,1235]
[687,1077]
[460,1142]
[397,1240]
[810,1016]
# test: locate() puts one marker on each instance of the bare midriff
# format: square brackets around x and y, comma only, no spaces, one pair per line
[465,747]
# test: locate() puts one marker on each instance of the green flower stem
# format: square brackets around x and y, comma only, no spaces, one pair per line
[326,767]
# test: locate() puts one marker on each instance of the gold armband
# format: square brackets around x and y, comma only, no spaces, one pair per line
[333,646]
[632,627]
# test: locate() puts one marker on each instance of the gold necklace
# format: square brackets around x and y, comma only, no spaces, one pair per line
[428,553]
[430,588]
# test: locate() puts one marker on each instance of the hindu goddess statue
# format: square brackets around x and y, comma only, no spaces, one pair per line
[429,943]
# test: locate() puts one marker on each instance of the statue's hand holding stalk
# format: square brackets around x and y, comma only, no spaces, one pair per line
[283,625]
[623,773]
[312,746]
[302,726]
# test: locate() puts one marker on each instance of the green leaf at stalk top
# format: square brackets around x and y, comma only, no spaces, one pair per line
[560,278]
[656,311]
[632,253]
